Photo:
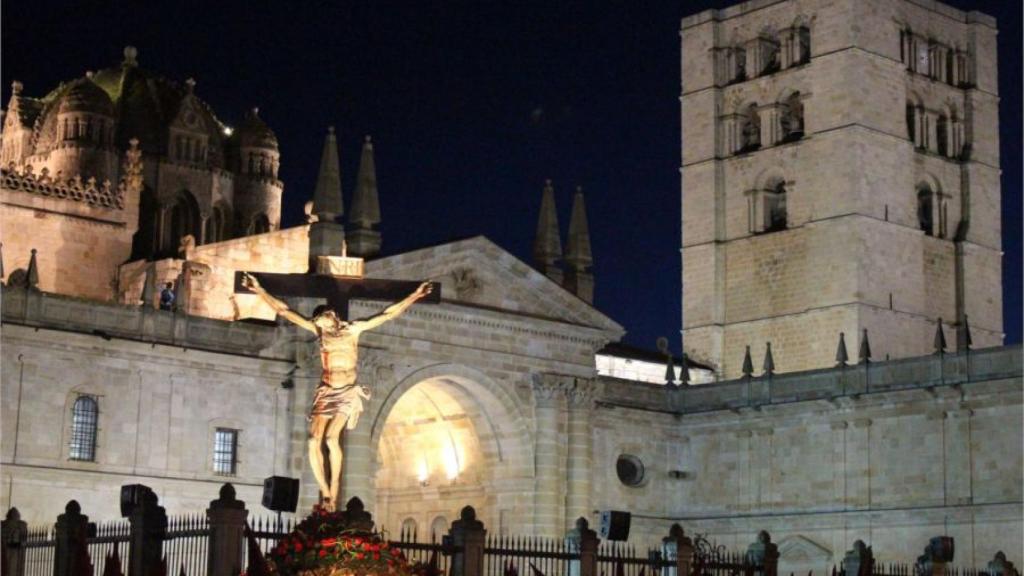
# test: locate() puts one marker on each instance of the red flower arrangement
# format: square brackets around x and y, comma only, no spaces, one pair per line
[325,545]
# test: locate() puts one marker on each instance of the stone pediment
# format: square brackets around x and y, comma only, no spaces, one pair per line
[477,272]
[800,549]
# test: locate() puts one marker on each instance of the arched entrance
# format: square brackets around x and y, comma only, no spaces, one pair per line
[444,438]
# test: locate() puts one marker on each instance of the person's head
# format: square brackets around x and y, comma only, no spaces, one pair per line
[327,319]
[169,285]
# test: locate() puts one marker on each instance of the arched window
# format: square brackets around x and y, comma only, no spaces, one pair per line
[911,122]
[260,224]
[775,208]
[84,418]
[769,55]
[408,533]
[184,220]
[750,129]
[942,134]
[792,118]
[925,217]
[740,60]
[438,528]
[803,36]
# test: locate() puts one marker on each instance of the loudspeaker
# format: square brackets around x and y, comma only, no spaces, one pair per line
[614,525]
[132,495]
[281,494]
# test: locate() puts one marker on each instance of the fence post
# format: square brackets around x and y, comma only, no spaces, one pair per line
[763,555]
[936,555]
[860,561]
[583,541]
[148,522]
[1000,566]
[676,546]
[468,537]
[70,554]
[13,533]
[227,517]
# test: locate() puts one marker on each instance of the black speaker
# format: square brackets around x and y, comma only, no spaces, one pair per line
[132,495]
[280,493]
[614,525]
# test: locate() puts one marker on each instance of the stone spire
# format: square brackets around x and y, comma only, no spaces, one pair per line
[362,239]
[578,259]
[547,246]
[327,235]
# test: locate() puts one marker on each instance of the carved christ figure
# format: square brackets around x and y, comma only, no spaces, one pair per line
[338,401]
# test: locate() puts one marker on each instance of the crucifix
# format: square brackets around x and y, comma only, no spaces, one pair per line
[338,401]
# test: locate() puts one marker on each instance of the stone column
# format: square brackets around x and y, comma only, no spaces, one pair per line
[148,522]
[13,534]
[580,400]
[227,517]
[858,464]
[676,546]
[468,536]
[957,460]
[71,557]
[547,390]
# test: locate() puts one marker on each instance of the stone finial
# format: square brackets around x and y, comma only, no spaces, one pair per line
[864,355]
[842,358]
[547,244]
[16,88]
[748,364]
[327,203]
[684,370]
[1000,566]
[364,214]
[14,515]
[579,279]
[190,85]
[964,335]
[131,55]
[769,361]
[227,499]
[859,561]
[940,339]
[32,274]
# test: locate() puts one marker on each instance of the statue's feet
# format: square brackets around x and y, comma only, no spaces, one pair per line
[326,503]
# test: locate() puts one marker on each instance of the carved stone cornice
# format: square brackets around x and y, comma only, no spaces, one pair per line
[548,389]
[580,393]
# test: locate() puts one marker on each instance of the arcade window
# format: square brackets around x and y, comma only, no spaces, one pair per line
[225,452]
[84,419]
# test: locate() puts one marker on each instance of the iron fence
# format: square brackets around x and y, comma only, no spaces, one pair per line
[40,548]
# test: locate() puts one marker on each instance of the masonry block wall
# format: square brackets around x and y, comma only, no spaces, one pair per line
[837,177]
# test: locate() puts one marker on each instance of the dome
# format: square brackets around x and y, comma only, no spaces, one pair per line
[255,133]
[85,96]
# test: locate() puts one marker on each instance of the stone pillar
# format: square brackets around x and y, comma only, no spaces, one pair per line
[858,464]
[227,517]
[580,400]
[148,522]
[547,390]
[763,555]
[957,459]
[839,428]
[71,557]
[744,495]
[676,546]
[584,540]
[860,561]
[13,534]
[468,536]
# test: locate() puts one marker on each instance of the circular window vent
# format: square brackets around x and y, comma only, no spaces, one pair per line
[630,470]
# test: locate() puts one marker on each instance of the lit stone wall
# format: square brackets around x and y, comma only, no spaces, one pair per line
[853,243]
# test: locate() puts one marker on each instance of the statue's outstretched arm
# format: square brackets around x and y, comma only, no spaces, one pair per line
[250,282]
[395,310]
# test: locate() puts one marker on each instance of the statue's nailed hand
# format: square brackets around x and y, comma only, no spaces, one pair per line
[249,281]
[424,290]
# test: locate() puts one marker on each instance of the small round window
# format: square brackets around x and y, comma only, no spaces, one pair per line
[630,470]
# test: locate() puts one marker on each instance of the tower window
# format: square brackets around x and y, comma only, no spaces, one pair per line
[803,35]
[775,208]
[740,58]
[942,135]
[925,219]
[750,129]
[792,118]
[911,122]
[225,451]
[84,419]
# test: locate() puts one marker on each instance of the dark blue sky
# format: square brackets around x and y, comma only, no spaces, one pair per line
[471,106]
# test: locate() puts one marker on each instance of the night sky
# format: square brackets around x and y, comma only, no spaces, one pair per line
[471,106]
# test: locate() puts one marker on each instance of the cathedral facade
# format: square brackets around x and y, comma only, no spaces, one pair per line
[506,394]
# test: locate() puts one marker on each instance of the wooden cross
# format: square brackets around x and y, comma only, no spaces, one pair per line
[338,290]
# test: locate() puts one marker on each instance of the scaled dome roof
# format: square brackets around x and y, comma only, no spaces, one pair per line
[83,95]
[254,132]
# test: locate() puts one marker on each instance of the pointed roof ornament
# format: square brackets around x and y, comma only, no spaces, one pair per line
[327,204]
[190,85]
[965,330]
[32,274]
[842,358]
[684,370]
[16,87]
[940,339]
[670,369]
[547,245]
[2,262]
[365,209]
[577,252]
[769,361]
[148,296]
[131,55]
[748,364]
[865,348]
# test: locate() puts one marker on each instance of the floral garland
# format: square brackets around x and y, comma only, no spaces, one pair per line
[323,543]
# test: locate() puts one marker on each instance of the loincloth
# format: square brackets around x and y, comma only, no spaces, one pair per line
[334,402]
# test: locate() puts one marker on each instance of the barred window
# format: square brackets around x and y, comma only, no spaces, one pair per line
[225,451]
[84,417]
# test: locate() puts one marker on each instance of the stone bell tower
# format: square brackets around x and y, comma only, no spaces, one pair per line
[840,172]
